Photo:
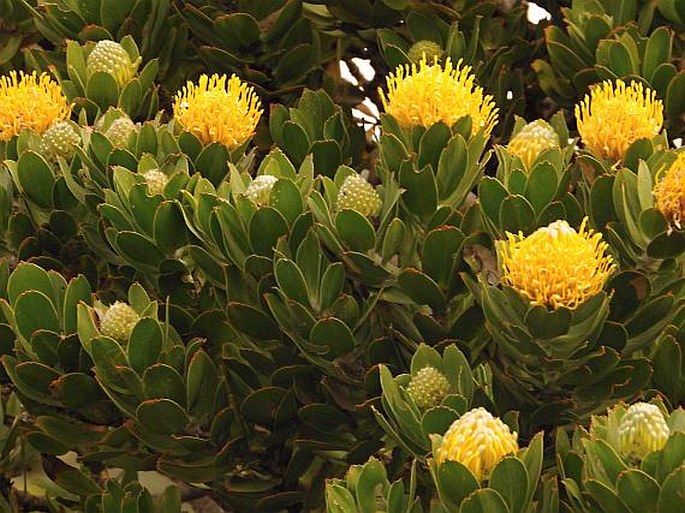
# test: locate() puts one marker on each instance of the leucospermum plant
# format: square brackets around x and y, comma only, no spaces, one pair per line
[210,269]
[440,103]
[631,458]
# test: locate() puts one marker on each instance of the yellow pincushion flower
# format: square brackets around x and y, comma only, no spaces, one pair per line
[615,115]
[428,93]
[556,266]
[30,101]
[532,140]
[218,109]
[478,441]
[643,429]
[669,192]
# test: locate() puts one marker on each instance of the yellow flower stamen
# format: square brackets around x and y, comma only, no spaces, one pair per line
[669,192]
[30,102]
[428,93]
[556,266]
[614,116]
[478,441]
[218,109]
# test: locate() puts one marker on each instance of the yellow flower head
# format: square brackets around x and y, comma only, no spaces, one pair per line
[478,441]
[556,266]
[30,101]
[218,109]
[428,93]
[669,192]
[642,430]
[613,116]
[532,140]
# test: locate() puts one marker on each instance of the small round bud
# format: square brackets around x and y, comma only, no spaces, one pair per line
[425,47]
[358,194]
[478,441]
[259,190]
[642,430]
[532,140]
[119,130]
[60,140]
[156,181]
[110,57]
[428,388]
[118,322]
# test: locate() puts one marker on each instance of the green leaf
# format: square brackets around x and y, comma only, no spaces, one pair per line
[605,497]
[455,483]
[510,479]
[516,214]
[162,416]
[34,311]
[161,381]
[638,490]
[333,334]
[28,277]
[542,186]
[213,163]
[671,496]
[36,178]
[421,194]
[145,344]
[253,322]
[291,281]
[355,230]
[485,500]
[102,89]
[421,288]
[286,198]
[266,227]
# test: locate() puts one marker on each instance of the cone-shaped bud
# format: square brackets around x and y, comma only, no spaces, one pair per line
[424,48]
[118,322]
[478,441]
[669,192]
[426,93]
[428,387]
[259,189]
[532,140]
[119,130]
[615,115]
[30,102]
[556,266]
[60,140]
[156,181]
[642,430]
[110,57]
[358,194]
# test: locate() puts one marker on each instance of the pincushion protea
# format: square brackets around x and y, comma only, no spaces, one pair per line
[615,115]
[556,266]
[478,441]
[218,109]
[30,102]
[424,94]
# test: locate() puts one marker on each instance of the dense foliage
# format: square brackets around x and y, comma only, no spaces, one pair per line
[210,268]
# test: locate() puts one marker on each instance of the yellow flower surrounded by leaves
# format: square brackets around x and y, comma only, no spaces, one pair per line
[30,101]
[218,109]
[615,115]
[556,266]
[478,441]
[425,94]
[532,140]
[669,192]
